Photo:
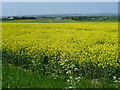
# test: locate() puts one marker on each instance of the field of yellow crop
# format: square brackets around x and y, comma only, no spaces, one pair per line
[87,48]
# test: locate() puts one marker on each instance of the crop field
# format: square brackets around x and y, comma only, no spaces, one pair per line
[42,20]
[74,50]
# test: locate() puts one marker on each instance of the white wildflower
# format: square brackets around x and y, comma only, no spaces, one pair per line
[75,69]
[65,69]
[63,54]
[68,72]
[115,81]
[70,87]
[72,66]
[114,77]
[68,80]
[76,78]
[66,60]
[62,64]
[79,77]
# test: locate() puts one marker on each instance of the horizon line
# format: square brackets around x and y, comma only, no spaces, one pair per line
[96,14]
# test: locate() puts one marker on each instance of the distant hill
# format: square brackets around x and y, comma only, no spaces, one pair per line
[54,15]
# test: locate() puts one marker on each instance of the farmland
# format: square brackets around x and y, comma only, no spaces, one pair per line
[74,50]
[41,20]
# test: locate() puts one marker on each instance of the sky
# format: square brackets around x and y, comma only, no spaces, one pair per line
[39,8]
[60,0]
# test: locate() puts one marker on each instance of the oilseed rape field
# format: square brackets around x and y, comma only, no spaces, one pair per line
[71,49]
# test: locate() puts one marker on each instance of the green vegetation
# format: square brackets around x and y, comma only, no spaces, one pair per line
[95,18]
[17,77]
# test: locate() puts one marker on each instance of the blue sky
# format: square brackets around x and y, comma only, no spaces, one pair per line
[38,8]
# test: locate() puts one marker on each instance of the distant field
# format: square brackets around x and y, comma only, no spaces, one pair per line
[45,20]
[74,50]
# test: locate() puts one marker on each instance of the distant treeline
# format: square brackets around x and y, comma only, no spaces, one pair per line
[24,17]
[76,18]
[18,18]
[92,18]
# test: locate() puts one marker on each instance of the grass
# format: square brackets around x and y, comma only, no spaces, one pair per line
[17,77]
